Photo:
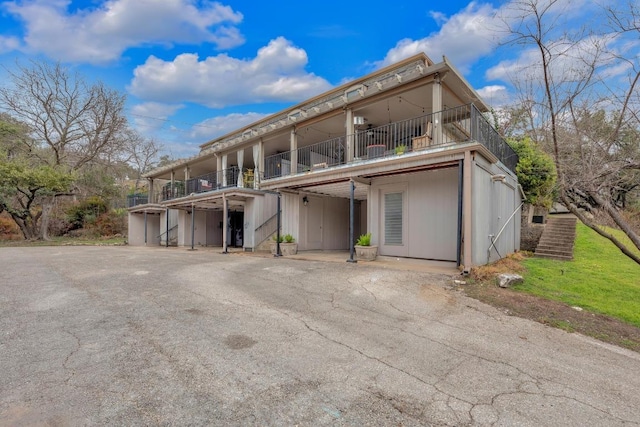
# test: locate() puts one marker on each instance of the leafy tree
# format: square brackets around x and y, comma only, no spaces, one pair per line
[23,187]
[536,172]
[594,158]
[65,126]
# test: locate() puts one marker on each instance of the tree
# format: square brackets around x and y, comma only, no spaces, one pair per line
[564,89]
[73,129]
[76,121]
[536,172]
[23,187]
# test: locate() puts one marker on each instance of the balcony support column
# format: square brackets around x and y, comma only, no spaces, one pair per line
[350,129]
[151,198]
[436,103]
[260,165]
[294,152]
[173,184]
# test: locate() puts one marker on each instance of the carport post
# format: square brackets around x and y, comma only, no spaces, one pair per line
[278,253]
[145,227]
[166,237]
[351,220]
[459,237]
[193,214]
[225,220]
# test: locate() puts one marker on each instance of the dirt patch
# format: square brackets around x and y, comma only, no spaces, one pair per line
[239,342]
[555,314]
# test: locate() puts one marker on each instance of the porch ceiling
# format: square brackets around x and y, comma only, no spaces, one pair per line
[214,201]
[338,189]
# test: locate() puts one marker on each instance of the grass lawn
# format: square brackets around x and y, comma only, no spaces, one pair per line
[600,279]
[67,241]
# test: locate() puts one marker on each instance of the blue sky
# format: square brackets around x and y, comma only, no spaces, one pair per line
[197,69]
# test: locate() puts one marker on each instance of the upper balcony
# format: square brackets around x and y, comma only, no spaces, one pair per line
[440,129]
[232,177]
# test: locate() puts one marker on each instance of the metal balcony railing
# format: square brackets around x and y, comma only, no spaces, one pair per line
[137,199]
[451,126]
[227,178]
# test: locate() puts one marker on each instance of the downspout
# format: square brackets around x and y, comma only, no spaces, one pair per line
[493,241]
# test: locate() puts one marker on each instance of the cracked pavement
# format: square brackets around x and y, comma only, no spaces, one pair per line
[155,336]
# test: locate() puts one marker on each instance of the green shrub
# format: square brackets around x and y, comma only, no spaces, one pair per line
[276,239]
[364,240]
[86,212]
[288,238]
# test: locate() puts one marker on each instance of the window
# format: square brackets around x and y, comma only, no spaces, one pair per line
[393,219]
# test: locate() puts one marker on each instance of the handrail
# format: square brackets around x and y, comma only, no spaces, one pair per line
[168,231]
[264,235]
[493,241]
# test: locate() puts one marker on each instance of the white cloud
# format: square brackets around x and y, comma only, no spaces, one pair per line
[463,37]
[152,116]
[7,44]
[276,74]
[217,126]
[494,94]
[101,34]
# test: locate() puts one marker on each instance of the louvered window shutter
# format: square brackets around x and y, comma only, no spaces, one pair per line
[393,218]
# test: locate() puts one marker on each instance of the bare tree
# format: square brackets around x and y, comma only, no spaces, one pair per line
[78,122]
[576,112]
[73,124]
[140,153]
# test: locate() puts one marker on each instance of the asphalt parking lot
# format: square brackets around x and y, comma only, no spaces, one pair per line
[155,336]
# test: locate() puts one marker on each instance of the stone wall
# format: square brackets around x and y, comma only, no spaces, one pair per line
[530,232]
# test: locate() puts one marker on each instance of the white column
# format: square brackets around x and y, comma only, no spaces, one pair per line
[240,157]
[260,161]
[151,198]
[350,130]
[223,171]
[256,162]
[436,105]
[294,151]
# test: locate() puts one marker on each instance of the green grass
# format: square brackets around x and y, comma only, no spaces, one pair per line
[600,278]
[67,241]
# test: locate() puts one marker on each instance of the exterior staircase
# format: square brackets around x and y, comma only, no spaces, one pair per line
[557,238]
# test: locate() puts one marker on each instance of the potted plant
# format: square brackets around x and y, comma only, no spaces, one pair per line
[249,179]
[289,246]
[365,251]
[401,149]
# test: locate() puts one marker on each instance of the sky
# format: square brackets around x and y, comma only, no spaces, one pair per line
[193,70]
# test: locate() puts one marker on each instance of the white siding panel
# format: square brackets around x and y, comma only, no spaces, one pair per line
[335,227]
[433,214]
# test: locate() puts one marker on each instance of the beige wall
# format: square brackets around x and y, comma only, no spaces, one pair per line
[136,229]
[494,201]
[430,214]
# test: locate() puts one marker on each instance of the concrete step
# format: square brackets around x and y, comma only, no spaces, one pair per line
[554,248]
[557,239]
[554,253]
[556,257]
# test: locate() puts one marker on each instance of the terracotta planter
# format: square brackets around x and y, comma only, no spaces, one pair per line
[366,253]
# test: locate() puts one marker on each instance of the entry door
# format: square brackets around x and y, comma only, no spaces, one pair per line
[393,224]
[314,211]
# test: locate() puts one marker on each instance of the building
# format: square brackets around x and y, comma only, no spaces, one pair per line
[404,153]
